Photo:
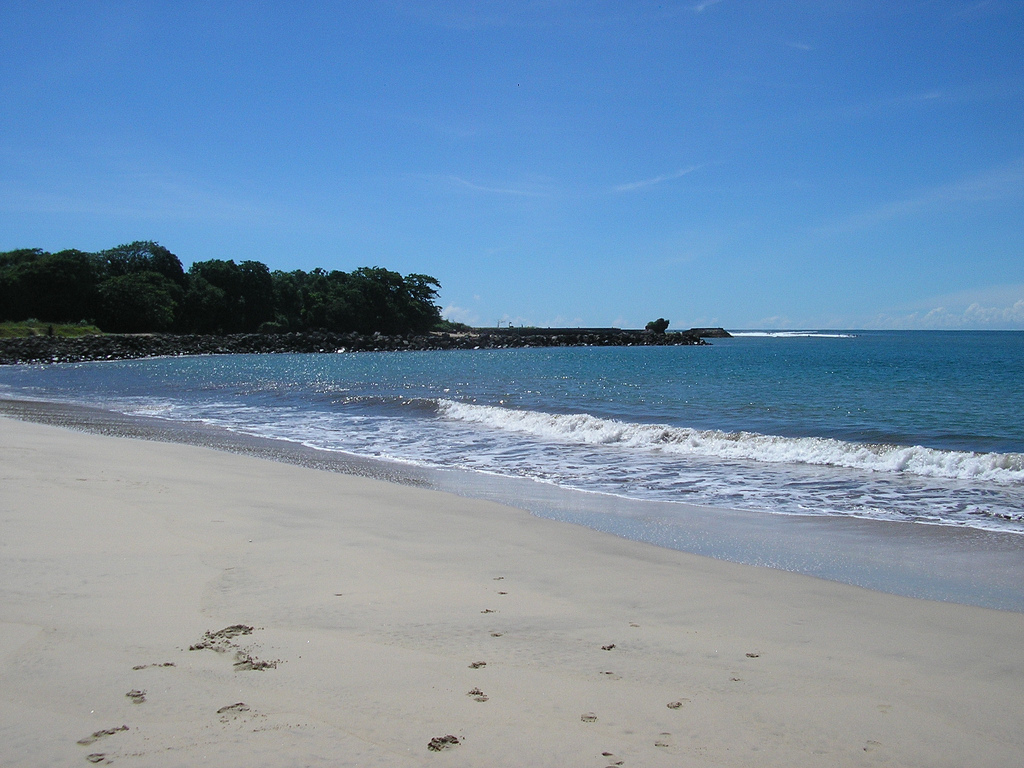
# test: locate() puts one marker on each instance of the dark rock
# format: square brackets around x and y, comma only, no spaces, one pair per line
[710,333]
[57,349]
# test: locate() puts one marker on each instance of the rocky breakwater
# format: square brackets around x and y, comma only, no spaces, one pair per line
[56,349]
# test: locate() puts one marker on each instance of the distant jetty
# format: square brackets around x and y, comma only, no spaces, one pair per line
[55,349]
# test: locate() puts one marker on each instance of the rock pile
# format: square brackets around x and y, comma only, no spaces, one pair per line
[54,349]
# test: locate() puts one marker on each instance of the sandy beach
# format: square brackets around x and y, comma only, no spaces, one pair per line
[172,605]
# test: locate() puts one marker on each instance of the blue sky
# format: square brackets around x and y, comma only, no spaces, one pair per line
[806,164]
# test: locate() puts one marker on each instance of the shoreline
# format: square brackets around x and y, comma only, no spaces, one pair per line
[388,616]
[35,350]
[919,560]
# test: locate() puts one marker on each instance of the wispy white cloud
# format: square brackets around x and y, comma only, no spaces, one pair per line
[142,195]
[634,185]
[529,190]
[800,46]
[994,184]
[704,5]
[104,179]
[901,102]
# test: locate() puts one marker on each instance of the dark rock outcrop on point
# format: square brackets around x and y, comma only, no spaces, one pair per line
[711,333]
[54,349]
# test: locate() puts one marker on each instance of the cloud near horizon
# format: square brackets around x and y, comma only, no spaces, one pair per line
[457,314]
[997,308]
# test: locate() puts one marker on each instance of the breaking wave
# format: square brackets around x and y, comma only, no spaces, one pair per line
[793,334]
[583,429]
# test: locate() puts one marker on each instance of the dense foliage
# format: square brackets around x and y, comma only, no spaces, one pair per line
[142,287]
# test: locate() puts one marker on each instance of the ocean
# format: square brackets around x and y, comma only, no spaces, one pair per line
[889,460]
[922,427]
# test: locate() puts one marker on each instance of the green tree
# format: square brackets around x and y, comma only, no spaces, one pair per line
[393,304]
[423,313]
[139,302]
[256,295]
[287,299]
[57,287]
[205,308]
[222,310]
[10,259]
[10,277]
[141,286]
[143,256]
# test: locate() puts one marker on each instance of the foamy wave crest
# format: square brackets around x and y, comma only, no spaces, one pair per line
[583,429]
[794,334]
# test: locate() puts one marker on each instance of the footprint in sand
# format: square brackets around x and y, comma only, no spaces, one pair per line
[664,740]
[478,664]
[607,647]
[96,735]
[96,757]
[497,634]
[136,696]
[237,707]
[588,717]
[245,661]
[677,704]
[220,641]
[871,746]
[438,743]
[478,695]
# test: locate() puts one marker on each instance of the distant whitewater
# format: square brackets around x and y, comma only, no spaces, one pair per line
[793,334]
[908,426]
[583,429]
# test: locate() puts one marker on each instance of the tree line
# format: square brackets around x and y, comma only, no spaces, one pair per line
[142,287]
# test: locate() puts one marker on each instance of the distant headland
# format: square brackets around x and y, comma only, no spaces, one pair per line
[62,349]
[137,300]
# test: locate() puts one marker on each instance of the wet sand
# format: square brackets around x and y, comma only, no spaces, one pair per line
[937,562]
[168,604]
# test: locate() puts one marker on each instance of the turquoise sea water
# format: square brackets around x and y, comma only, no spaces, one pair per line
[907,426]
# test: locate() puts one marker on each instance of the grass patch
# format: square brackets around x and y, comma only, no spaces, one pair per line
[12,330]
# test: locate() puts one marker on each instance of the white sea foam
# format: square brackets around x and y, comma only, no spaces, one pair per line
[583,429]
[793,334]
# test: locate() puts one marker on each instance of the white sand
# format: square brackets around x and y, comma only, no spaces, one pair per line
[373,598]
